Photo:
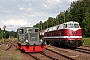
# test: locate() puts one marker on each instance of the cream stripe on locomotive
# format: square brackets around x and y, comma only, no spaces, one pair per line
[64,37]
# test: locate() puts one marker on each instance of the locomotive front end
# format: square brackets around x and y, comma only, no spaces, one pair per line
[28,40]
[73,35]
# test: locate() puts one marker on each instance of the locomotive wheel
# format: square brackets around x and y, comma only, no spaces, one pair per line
[22,51]
[47,43]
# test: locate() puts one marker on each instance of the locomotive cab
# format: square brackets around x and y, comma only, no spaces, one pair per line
[73,34]
[28,35]
[71,25]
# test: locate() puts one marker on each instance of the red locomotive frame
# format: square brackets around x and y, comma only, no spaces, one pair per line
[31,48]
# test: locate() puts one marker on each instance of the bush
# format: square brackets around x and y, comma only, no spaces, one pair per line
[0,34]
[86,41]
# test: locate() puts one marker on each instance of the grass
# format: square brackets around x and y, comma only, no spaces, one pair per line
[86,41]
[12,38]
[15,56]
[9,55]
[1,40]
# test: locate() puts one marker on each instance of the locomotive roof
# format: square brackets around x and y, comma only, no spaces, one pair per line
[70,22]
[27,27]
[55,27]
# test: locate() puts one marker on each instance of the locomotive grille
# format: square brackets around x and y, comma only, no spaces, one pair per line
[33,37]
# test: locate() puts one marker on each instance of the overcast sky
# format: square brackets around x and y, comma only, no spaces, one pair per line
[19,13]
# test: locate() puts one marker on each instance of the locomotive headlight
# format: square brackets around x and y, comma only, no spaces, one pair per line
[41,40]
[26,40]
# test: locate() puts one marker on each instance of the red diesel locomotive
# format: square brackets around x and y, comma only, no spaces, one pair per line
[68,34]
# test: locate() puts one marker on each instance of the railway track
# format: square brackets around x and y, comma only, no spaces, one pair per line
[36,58]
[41,56]
[1,44]
[65,56]
[56,52]
[49,56]
[80,53]
[82,50]
[10,46]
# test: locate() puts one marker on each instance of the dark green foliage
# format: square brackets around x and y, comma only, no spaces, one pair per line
[78,11]
[13,34]
[7,34]
[0,34]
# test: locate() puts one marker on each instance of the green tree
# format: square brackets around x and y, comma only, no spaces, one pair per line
[0,34]
[50,22]
[78,11]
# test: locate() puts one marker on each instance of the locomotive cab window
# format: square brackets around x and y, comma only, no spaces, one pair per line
[47,30]
[36,30]
[28,30]
[70,25]
[65,26]
[76,25]
[20,31]
[58,27]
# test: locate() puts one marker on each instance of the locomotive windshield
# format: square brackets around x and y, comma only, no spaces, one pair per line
[76,25]
[72,25]
[36,30]
[28,30]
[65,26]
